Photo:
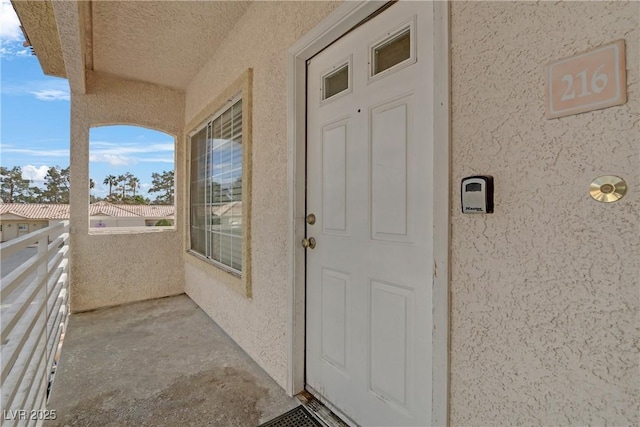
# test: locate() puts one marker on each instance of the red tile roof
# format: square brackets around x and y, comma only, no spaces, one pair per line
[46,211]
[35,210]
[108,209]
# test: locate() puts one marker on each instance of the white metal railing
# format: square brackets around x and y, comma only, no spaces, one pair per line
[34,300]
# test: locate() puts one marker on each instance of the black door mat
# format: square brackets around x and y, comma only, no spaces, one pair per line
[297,417]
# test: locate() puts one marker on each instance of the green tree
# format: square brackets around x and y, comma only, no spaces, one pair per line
[163,223]
[134,184]
[162,183]
[56,185]
[34,195]
[111,181]
[136,200]
[122,184]
[13,188]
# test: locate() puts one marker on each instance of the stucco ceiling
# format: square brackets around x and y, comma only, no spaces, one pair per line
[162,42]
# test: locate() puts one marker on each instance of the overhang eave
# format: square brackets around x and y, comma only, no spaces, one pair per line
[39,24]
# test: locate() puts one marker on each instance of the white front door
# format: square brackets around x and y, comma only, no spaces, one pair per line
[370,187]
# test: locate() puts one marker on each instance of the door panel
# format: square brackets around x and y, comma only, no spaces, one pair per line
[334,178]
[370,186]
[391,313]
[335,300]
[389,151]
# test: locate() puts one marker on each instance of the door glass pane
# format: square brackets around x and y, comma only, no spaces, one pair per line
[336,82]
[392,52]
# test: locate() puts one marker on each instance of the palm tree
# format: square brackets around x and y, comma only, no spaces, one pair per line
[110,180]
[123,179]
[134,183]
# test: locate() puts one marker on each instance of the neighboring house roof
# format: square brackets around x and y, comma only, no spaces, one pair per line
[150,211]
[45,211]
[35,210]
[108,209]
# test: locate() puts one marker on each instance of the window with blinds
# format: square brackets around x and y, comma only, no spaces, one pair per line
[216,189]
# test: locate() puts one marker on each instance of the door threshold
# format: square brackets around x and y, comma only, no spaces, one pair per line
[319,410]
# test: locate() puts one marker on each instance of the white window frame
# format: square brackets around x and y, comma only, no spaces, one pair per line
[209,148]
[103,229]
[240,89]
[386,38]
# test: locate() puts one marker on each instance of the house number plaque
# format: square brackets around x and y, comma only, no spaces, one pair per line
[588,81]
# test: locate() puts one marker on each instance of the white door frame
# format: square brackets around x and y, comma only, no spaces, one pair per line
[345,17]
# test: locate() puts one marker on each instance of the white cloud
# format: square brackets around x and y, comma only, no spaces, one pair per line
[51,95]
[127,153]
[8,50]
[129,148]
[11,36]
[33,173]
[40,152]
[112,159]
[47,89]
[9,23]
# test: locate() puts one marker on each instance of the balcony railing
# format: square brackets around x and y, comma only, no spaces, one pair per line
[34,301]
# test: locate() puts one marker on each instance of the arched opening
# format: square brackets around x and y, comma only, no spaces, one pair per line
[131,179]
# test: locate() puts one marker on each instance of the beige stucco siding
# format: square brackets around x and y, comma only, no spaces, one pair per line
[259,41]
[9,230]
[545,291]
[115,269]
[10,224]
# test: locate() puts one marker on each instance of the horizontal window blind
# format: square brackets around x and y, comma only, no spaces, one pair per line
[216,189]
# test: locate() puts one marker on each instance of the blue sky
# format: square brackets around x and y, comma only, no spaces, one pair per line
[34,122]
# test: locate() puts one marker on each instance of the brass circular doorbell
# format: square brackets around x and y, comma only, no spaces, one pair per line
[608,188]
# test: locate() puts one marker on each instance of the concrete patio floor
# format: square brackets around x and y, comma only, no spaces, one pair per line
[162,362]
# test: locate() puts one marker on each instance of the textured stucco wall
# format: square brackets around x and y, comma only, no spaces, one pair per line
[259,41]
[545,291]
[45,41]
[107,269]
